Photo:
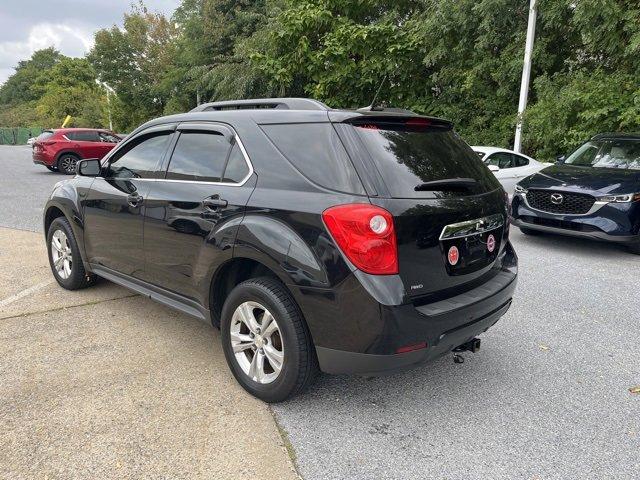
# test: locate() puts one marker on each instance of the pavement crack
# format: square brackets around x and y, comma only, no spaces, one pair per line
[286,441]
[57,309]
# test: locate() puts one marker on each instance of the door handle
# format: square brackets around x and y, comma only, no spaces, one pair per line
[214,203]
[135,200]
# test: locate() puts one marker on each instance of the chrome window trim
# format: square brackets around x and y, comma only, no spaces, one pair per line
[597,205]
[208,182]
[227,184]
[472,227]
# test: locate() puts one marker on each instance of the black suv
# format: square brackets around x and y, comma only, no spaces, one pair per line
[316,239]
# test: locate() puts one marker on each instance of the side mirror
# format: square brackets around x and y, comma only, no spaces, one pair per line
[494,168]
[561,158]
[88,168]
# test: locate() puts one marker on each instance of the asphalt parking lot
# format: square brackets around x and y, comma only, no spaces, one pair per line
[147,393]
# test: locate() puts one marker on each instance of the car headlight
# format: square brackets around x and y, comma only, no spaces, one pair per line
[521,190]
[626,198]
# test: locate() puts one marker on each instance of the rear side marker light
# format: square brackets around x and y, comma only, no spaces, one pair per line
[411,348]
[365,234]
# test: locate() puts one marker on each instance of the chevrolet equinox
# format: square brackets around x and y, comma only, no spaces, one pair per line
[316,239]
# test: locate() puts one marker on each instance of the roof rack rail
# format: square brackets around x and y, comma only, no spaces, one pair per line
[264,103]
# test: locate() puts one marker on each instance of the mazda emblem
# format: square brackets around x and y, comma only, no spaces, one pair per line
[557,198]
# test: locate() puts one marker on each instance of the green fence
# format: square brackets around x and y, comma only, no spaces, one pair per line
[18,136]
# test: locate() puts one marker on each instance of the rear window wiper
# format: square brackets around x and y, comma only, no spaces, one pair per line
[447,184]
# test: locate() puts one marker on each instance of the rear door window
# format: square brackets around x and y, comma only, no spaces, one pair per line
[108,137]
[501,160]
[237,168]
[316,151]
[85,136]
[520,161]
[412,152]
[199,156]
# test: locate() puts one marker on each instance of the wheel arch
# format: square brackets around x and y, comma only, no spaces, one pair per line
[51,213]
[66,206]
[233,272]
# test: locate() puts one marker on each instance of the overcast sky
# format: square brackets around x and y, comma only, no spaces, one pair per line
[68,25]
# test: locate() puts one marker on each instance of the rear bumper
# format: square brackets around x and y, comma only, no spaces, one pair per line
[444,325]
[342,362]
[40,159]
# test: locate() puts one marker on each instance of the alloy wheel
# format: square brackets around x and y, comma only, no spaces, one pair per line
[68,164]
[61,254]
[256,341]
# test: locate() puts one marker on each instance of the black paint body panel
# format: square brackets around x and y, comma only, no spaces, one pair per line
[171,248]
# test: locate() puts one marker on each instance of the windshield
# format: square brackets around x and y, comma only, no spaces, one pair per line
[409,157]
[618,153]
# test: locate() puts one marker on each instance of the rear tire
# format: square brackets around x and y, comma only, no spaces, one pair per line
[277,362]
[67,163]
[64,257]
[51,168]
[528,231]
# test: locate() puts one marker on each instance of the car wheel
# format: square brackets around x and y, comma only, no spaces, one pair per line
[266,341]
[51,169]
[528,231]
[64,257]
[635,248]
[67,163]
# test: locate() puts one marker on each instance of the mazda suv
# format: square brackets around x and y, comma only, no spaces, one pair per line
[60,149]
[593,193]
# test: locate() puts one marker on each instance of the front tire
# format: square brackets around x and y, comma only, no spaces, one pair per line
[51,168]
[67,163]
[266,341]
[64,257]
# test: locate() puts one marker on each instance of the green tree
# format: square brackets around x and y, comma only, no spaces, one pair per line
[139,63]
[18,87]
[216,43]
[70,89]
[463,60]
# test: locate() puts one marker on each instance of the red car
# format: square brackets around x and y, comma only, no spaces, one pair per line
[60,149]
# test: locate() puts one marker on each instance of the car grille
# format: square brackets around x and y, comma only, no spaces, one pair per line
[571,203]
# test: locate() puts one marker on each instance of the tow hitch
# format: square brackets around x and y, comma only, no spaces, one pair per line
[471,346]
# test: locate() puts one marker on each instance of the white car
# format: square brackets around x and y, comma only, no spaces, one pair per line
[508,166]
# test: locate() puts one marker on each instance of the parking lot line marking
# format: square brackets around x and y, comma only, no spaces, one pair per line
[24,293]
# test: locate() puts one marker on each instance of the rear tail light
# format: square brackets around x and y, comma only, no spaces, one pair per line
[366,235]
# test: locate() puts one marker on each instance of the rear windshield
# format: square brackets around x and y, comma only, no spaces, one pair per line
[409,155]
[44,135]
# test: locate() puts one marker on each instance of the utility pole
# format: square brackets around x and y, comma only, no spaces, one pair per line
[109,111]
[526,72]
[109,90]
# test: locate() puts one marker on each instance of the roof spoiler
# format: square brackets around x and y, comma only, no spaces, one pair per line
[263,103]
[372,108]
